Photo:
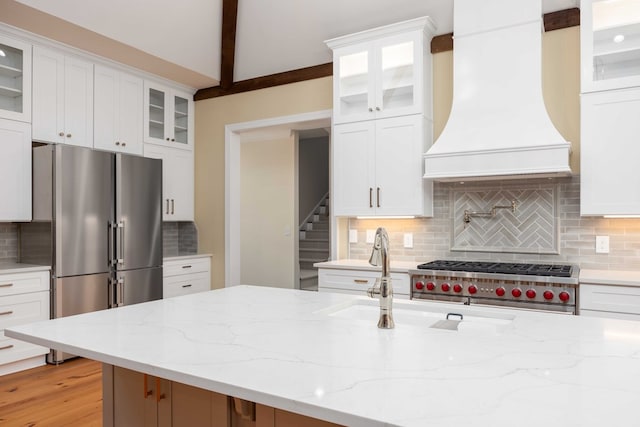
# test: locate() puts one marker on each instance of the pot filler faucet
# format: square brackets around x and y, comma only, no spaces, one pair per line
[382,289]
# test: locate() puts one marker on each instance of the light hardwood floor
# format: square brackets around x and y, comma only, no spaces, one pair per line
[69,394]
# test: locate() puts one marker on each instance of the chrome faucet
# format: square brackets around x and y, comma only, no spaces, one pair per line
[382,289]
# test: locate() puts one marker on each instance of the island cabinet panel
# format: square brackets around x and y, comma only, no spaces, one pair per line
[132,398]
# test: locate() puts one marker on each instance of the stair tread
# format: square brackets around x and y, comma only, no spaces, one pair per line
[314,250]
[308,274]
[315,240]
[312,259]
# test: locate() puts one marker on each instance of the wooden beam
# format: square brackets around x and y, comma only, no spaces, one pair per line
[301,74]
[552,21]
[228,45]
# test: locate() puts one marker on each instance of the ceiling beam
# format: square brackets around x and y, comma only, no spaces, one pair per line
[228,46]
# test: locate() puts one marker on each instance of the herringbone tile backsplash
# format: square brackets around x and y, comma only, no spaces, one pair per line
[546,227]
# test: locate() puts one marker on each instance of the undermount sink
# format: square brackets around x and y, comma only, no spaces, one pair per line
[460,318]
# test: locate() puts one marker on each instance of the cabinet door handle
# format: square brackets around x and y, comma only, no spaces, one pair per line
[159,394]
[6,285]
[124,144]
[377,108]
[361,281]
[187,286]
[117,142]
[370,197]
[173,205]
[68,135]
[173,140]
[61,134]
[6,347]
[378,196]
[186,266]
[167,211]
[167,139]
[6,313]
[370,110]
[145,385]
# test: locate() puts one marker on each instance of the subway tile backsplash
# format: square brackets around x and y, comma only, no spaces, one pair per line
[436,238]
[8,242]
[179,238]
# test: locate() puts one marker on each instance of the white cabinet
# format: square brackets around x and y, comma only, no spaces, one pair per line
[609,153]
[24,298]
[177,181]
[357,282]
[610,44]
[186,276]
[620,302]
[378,169]
[117,111]
[168,116]
[384,72]
[15,80]
[15,171]
[62,98]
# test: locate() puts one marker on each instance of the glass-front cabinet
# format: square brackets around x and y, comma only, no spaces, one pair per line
[610,44]
[382,74]
[15,80]
[168,116]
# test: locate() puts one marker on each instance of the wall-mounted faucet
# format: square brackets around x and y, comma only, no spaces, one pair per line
[470,214]
[382,289]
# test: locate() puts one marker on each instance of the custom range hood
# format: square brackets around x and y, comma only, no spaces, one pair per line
[498,126]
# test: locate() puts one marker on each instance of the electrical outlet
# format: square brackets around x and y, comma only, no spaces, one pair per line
[371,236]
[408,240]
[602,244]
[353,236]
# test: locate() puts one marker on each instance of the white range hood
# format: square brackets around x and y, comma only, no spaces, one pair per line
[498,126]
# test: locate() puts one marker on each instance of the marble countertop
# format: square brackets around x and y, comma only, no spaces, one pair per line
[182,257]
[8,267]
[296,350]
[610,277]
[360,264]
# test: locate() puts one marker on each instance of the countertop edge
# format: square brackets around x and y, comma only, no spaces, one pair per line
[12,268]
[362,265]
[183,257]
[610,277]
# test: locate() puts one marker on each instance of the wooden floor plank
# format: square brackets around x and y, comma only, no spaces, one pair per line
[69,394]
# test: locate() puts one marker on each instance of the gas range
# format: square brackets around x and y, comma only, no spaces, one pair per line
[546,287]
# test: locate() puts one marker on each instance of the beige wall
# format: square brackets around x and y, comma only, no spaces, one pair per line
[267,216]
[212,115]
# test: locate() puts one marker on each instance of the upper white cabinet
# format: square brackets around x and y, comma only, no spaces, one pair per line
[378,168]
[168,116]
[383,72]
[62,98]
[177,181]
[15,80]
[609,153]
[15,170]
[117,111]
[610,44]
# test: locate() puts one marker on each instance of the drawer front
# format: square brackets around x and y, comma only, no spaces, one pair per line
[19,283]
[23,308]
[12,350]
[359,281]
[615,299]
[186,266]
[186,284]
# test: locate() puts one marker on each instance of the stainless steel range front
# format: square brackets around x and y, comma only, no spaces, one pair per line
[546,287]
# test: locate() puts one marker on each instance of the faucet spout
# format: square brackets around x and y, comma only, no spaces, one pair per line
[382,289]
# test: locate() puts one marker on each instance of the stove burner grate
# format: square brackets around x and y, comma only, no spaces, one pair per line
[554,270]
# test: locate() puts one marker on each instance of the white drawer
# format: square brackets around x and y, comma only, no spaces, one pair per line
[608,298]
[186,266]
[23,308]
[186,284]
[19,283]
[12,350]
[359,281]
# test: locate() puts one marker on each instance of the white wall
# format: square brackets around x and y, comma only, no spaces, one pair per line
[267,218]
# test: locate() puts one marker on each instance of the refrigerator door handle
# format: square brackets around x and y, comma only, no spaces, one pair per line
[111,230]
[111,296]
[120,292]
[120,252]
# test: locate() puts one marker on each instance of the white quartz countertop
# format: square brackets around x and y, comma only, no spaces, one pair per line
[610,277]
[359,264]
[297,351]
[16,267]
[182,257]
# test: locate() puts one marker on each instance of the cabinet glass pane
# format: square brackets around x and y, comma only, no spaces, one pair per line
[181,120]
[616,39]
[11,78]
[156,114]
[354,83]
[397,75]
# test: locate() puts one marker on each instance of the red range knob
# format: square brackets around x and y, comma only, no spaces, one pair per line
[457,288]
[531,293]
[548,295]
[472,289]
[431,286]
[564,296]
[419,285]
[500,291]
[445,287]
[516,292]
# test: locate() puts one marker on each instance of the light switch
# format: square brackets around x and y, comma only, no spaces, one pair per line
[371,236]
[353,236]
[408,240]
[602,244]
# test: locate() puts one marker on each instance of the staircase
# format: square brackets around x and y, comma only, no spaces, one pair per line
[314,244]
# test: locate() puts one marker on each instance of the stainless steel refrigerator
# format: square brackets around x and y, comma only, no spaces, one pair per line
[97,220]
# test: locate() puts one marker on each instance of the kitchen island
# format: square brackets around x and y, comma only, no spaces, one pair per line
[322,356]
